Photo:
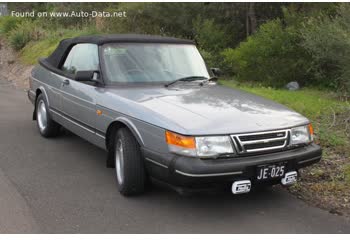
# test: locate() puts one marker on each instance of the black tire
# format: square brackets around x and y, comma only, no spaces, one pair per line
[132,170]
[51,128]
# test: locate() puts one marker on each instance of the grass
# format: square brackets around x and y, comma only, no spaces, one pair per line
[44,47]
[34,50]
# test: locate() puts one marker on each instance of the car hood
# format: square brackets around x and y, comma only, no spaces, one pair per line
[210,109]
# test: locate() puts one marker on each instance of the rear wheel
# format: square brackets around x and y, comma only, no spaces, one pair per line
[47,127]
[129,165]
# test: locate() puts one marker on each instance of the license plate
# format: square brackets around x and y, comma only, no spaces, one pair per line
[270,171]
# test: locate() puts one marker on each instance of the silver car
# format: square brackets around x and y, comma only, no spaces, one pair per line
[153,104]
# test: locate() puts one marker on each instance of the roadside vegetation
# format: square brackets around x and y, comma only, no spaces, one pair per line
[259,46]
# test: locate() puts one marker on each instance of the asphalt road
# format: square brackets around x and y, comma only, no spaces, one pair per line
[62,186]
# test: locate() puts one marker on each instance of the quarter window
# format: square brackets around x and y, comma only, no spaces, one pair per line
[82,57]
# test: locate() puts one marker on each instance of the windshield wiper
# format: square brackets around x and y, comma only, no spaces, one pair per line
[211,79]
[189,79]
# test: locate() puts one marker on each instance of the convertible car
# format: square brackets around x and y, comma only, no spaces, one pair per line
[153,104]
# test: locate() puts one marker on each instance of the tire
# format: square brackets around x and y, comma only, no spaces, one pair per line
[47,127]
[129,164]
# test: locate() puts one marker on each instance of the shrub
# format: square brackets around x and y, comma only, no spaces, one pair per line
[20,36]
[19,39]
[211,40]
[209,35]
[8,23]
[272,56]
[25,32]
[327,39]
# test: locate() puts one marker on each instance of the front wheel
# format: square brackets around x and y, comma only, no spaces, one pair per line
[129,165]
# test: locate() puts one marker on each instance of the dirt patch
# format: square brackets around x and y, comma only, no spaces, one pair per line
[11,69]
[326,184]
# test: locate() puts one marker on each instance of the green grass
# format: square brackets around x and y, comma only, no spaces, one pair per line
[44,47]
[319,106]
[34,50]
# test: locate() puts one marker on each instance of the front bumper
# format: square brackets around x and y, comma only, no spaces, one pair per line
[189,172]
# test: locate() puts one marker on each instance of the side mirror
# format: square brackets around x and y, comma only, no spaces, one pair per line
[84,76]
[216,71]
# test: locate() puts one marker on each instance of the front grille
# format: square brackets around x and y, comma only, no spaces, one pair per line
[264,145]
[262,136]
[259,142]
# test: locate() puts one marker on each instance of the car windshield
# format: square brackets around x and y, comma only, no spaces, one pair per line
[151,63]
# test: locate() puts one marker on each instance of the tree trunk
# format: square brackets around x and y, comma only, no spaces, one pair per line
[251,22]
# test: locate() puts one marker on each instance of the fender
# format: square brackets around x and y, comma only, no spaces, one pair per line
[42,89]
[132,128]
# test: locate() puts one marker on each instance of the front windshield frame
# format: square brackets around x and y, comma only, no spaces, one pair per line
[108,82]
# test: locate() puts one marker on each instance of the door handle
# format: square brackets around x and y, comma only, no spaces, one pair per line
[65,82]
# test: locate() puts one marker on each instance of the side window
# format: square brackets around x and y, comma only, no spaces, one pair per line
[82,57]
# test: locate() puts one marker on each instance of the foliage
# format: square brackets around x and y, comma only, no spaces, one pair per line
[211,40]
[23,33]
[7,24]
[327,39]
[18,39]
[303,42]
[209,35]
[272,56]
[171,19]
[310,45]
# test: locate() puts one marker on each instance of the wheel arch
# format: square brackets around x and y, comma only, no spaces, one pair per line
[119,123]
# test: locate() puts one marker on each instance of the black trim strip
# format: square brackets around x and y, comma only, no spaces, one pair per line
[208,174]
[155,162]
[84,125]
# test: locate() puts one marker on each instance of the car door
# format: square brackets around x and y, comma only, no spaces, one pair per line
[79,98]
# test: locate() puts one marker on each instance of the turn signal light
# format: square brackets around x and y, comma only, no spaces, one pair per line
[311,130]
[180,140]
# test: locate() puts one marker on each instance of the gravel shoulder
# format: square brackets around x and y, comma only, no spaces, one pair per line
[324,185]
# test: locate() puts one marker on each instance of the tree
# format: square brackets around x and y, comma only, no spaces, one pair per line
[251,22]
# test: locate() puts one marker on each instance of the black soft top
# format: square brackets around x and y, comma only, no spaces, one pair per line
[54,61]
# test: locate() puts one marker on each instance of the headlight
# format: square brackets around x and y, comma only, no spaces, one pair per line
[213,146]
[198,146]
[301,135]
